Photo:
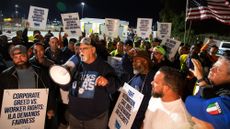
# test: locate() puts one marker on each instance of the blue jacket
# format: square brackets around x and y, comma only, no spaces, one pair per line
[211,105]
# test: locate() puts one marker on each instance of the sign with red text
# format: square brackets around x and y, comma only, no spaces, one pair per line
[126,108]
[112,27]
[71,24]
[24,109]
[144,27]
[38,17]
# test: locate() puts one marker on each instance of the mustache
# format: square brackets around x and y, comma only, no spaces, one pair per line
[82,57]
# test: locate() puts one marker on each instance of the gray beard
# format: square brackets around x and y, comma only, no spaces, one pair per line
[135,72]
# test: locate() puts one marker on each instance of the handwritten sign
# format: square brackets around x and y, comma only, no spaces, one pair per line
[126,108]
[164,30]
[38,17]
[172,46]
[24,109]
[112,27]
[71,24]
[144,27]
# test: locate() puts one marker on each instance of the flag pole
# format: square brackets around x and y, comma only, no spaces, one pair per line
[185,27]
[189,31]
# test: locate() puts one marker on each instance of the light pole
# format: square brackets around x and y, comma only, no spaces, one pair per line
[16,10]
[82,9]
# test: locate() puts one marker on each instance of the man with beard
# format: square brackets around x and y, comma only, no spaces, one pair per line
[90,89]
[141,81]
[158,57]
[23,75]
[166,109]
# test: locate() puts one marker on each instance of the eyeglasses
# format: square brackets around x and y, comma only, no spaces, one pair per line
[84,48]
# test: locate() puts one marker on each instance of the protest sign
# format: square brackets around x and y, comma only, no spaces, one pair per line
[126,108]
[38,17]
[163,30]
[144,27]
[172,46]
[116,63]
[24,109]
[112,27]
[71,24]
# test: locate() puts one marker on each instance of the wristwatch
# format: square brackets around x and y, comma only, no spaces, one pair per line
[200,80]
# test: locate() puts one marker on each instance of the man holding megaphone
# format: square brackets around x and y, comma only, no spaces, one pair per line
[89,89]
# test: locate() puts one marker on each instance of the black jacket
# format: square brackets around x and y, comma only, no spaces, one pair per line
[9,80]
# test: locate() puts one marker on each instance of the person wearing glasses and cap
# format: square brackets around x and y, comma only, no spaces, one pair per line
[158,56]
[90,89]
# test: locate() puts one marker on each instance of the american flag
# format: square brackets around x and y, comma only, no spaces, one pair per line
[206,9]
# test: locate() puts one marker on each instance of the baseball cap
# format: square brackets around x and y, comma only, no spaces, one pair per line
[128,42]
[72,40]
[87,41]
[157,40]
[159,49]
[21,50]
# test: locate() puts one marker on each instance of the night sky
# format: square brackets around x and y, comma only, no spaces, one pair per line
[128,10]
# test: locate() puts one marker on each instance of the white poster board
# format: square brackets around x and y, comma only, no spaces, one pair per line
[38,17]
[24,109]
[172,46]
[112,27]
[144,27]
[163,30]
[71,24]
[126,108]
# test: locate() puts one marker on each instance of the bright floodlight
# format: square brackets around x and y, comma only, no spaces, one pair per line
[82,3]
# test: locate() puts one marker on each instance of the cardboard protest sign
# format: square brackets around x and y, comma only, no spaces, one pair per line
[112,27]
[163,29]
[71,24]
[24,109]
[38,17]
[126,108]
[172,46]
[144,27]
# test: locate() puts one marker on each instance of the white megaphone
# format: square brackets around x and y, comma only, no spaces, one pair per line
[60,74]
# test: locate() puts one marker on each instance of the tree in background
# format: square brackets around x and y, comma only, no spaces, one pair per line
[174,11]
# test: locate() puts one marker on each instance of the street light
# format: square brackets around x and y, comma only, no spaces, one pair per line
[16,6]
[82,8]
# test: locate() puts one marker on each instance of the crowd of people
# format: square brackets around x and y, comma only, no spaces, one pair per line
[178,93]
